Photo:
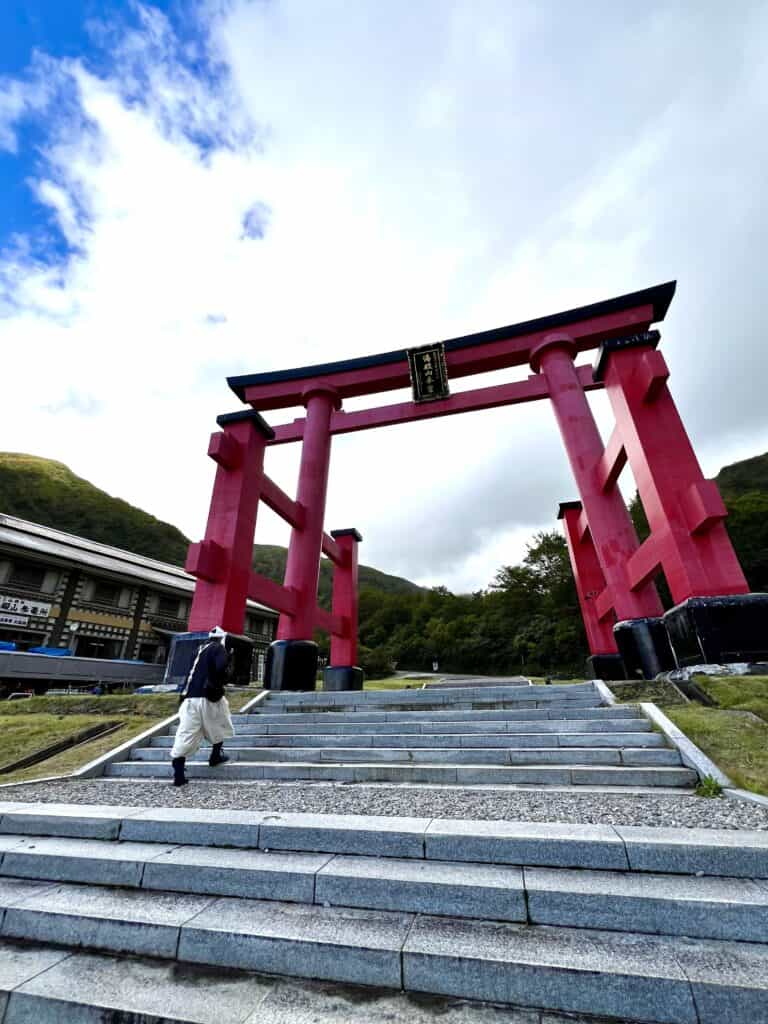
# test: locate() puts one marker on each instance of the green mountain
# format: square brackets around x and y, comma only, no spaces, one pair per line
[49,493]
[269,560]
[744,487]
[750,475]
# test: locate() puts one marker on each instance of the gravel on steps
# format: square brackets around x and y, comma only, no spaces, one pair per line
[608,808]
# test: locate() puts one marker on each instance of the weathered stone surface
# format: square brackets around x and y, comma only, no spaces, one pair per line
[91,989]
[522,842]
[19,963]
[711,908]
[116,920]
[248,873]
[329,833]
[425,887]
[676,777]
[86,822]
[358,946]
[688,851]
[553,968]
[292,1002]
[93,861]
[193,826]
[729,980]
[14,891]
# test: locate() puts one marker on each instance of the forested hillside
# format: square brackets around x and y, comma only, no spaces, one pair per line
[526,620]
[49,493]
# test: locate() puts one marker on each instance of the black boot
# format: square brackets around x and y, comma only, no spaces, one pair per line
[179,778]
[216,755]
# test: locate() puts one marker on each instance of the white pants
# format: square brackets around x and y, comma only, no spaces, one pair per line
[201,719]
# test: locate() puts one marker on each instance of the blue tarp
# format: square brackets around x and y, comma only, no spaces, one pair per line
[7,645]
[59,652]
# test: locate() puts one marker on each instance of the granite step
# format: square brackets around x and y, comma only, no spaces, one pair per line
[446,715]
[682,851]
[421,707]
[425,707]
[43,983]
[415,695]
[431,755]
[473,774]
[513,741]
[47,983]
[663,979]
[702,907]
[448,725]
[412,885]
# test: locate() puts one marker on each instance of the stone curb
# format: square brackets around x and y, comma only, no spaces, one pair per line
[253,702]
[97,767]
[747,796]
[608,698]
[691,755]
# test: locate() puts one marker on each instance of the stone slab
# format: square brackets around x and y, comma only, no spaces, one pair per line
[92,989]
[633,757]
[92,861]
[729,980]
[523,842]
[20,963]
[423,887]
[709,908]
[250,874]
[674,777]
[334,944]
[115,920]
[92,821]
[738,853]
[297,1002]
[601,973]
[194,827]
[15,891]
[374,836]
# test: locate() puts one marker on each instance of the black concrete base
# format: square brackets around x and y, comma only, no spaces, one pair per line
[644,647]
[343,678]
[605,666]
[291,665]
[184,648]
[717,630]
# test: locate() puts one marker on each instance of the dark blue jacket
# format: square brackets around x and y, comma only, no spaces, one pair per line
[206,677]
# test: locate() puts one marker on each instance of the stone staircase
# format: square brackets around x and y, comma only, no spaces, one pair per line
[518,735]
[128,914]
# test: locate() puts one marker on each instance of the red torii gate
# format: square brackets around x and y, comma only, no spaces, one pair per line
[614,573]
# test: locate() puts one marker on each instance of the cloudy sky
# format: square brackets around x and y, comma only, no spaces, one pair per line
[193,190]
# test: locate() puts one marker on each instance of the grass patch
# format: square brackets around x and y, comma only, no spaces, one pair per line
[394,683]
[30,725]
[542,681]
[143,705]
[738,693]
[70,760]
[651,690]
[26,734]
[709,788]
[735,740]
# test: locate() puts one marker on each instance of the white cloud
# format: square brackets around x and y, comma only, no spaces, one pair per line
[339,179]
